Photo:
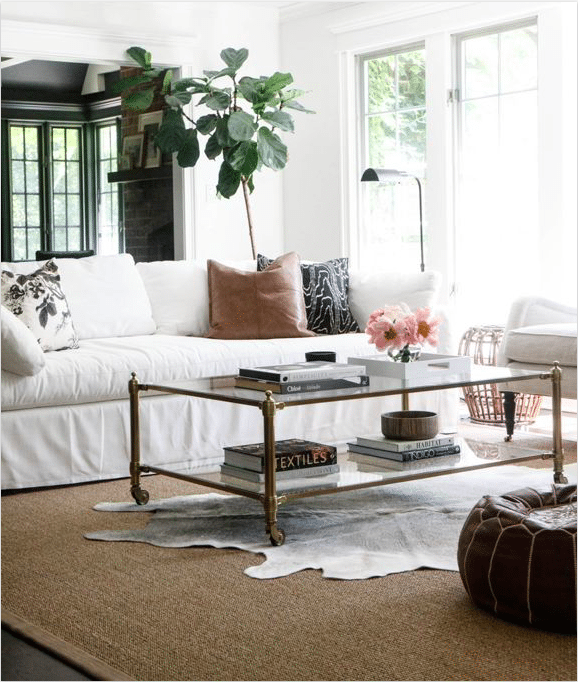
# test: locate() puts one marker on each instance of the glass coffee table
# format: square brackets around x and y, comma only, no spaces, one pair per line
[352,475]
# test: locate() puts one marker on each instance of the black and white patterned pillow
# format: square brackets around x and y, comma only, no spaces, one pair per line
[326,290]
[38,301]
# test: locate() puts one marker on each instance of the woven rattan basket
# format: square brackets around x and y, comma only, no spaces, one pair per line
[485,402]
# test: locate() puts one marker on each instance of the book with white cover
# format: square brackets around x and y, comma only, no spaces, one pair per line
[406,456]
[382,443]
[302,371]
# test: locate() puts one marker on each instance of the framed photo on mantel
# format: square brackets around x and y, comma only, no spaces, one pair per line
[132,147]
[149,124]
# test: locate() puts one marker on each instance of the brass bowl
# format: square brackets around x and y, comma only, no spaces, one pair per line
[409,425]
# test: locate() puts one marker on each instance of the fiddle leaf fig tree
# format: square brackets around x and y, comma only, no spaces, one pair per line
[241,127]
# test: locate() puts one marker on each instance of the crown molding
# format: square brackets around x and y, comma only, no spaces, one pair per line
[299,10]
[395,14]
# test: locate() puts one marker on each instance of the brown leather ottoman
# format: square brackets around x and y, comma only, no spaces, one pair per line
[517,557]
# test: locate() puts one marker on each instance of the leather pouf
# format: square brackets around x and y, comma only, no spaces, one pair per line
[517,557]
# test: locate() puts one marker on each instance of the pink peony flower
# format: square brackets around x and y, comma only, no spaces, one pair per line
[427,327]
[396,327]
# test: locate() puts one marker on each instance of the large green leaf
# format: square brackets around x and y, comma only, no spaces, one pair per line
[178,99]
[228,71]
[167,79]
[139,101]
[172,133]
[195,84]
[272,151]
[292,104]
[248,88]
[234,58]
[241,126]
[244,158]
[217,100]
[206,124]
[140,56]
[279,119]
[229,180]
[278,81]
[188,154]
[213,148]
[128,82]
[222,132]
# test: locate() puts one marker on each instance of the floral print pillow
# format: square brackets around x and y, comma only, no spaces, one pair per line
[38,301]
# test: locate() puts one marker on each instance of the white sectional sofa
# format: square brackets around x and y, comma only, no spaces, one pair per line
[69,422]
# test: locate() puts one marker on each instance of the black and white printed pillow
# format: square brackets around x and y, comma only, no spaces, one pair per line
[38,301]
[326,291]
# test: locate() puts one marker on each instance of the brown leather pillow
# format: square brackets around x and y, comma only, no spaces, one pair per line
[257,305]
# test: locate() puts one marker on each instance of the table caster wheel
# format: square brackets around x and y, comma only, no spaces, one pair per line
[140,496]
[277,537]
[560,478]
[508,439]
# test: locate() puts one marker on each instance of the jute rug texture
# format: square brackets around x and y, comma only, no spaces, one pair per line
[191,614]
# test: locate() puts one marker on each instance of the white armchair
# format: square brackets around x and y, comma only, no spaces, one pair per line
[538,333]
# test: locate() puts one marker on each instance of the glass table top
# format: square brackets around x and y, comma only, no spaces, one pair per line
[223,388]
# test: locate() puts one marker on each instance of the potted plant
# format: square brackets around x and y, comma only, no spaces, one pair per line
[245,116]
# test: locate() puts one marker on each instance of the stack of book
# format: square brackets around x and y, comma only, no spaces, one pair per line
[294,459]
[302,377]
[380,451]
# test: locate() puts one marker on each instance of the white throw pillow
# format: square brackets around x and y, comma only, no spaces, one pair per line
[38,301]
[179,294]
[21,353]
[371,290]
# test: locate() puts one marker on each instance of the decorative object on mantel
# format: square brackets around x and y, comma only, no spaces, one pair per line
[387,175]
[485,403]
[231,130]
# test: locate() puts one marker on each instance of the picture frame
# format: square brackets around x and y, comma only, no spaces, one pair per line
[149,118]
[152,153]
[132,146]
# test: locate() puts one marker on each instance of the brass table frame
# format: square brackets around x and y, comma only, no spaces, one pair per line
[269,408]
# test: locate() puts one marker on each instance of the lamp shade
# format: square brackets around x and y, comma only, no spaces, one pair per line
[383,175]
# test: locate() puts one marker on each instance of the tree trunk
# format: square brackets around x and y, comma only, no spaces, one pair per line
[245,184]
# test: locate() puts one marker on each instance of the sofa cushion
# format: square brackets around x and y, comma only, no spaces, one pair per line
[38,301]
[21,353]
[542,344]
[105,294]
[100,369]
[179,294]
[326,292]
[257,305]
[371,290]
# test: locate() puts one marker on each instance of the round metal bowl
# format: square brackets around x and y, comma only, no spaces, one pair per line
[409,425]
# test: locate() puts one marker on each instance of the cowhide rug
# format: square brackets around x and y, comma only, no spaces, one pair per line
[353,535]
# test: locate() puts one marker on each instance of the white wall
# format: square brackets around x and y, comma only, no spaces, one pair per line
[321,183]
[187,34]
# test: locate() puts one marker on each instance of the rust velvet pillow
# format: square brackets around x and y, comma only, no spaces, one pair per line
[257,305]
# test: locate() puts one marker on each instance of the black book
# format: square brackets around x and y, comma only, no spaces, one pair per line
[302,386]
[408,456]
[290,454]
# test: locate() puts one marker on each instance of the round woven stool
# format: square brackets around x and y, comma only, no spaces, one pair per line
[517,557]
[484,401]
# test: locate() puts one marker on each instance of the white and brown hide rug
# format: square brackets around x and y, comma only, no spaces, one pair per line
[348,536]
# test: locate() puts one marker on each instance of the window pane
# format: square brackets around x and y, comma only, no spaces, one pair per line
[519,59]
[58,144]
[72,144]
[17,142]
[59,176]
[33,209]
[18,185]
[31,143]
[18,210]
[59,209]
[411,127]
[381,139]
[73,212]
[33,242]
[73,176]
[74,239]
[480,138]
[380,77]
[481,66]
[19,244]
[411,79]
[104,142]
[32,179]
[60,239]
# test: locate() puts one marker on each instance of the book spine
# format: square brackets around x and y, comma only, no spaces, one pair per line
[302,375]
[409,456]
[282,475]
[409,446]
[304,386]
[285,461]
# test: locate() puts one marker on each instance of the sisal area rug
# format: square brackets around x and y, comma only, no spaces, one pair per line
[355,535]
[153,613]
